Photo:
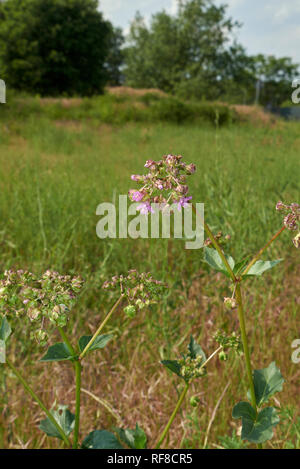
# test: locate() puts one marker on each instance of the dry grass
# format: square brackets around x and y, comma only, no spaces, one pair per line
[137,389]
[134,92]
[255,115]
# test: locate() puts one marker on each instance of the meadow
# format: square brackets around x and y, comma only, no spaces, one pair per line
[59,163]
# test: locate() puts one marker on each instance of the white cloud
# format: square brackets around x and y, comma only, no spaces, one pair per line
[173,7]
[268,26]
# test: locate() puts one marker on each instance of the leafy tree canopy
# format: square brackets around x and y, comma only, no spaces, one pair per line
[54,46]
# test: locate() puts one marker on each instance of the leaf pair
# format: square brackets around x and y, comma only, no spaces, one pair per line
[194,351]
[213,258]
[60,351]
[97,439]
[255,428]
[258,427]
[102,439]
[63,417]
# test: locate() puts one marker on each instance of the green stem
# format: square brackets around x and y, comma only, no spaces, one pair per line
[167,427]
[86,349]
[37,399]
[78,367]
[181,398]
[66,341]
[246,349]
[77,405]
[216,245]
[262,250]
[245,345]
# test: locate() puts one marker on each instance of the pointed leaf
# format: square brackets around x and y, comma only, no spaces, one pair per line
[256,429]
[173,365]
[5,329]
[63,417]
[212,257]
[240,265]
[101,439]
[267,382]
[135,439]
[195,350]
[56,353]
[99,343]
[261,266]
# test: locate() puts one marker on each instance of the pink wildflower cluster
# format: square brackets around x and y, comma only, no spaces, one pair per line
[164,184]
[292,219]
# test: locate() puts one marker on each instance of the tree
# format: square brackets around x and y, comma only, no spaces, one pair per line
[54,47]
[194,55]
[275,77]
[115,57]
[179,53]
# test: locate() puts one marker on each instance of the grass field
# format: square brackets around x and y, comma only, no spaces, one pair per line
[53,174]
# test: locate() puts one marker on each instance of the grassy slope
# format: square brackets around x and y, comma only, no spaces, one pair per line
[53,174]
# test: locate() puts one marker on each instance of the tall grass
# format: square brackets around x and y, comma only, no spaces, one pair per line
[54,173]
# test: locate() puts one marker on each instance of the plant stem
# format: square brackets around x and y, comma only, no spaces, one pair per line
[66,341]
[211,356]
[86,349]
[77,405]
[77,367]
[181,398]
[245,345]
[37,399]
[216,245]
[167,427]
[246,349]
[262,250]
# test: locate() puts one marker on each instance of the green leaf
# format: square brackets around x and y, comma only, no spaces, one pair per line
[56,353]
[101,439]
[256,429]
[99,343]
[195,350]
[212,257]
[173,365]
[135,439]
[267,382]
[63,417]
[5,329]
[240,265]
[261,266]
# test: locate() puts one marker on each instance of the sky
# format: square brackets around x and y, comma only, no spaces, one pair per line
[270,27]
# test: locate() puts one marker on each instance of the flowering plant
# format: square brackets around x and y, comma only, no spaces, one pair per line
[45,302]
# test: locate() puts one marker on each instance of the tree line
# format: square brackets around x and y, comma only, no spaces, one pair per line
[66,47]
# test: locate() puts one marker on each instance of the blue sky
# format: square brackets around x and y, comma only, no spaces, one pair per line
[269,26]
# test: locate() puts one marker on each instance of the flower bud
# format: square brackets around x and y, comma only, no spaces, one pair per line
[130,311]
[190,168]
[223,356]
[230,303]
[194,401]
[33,314]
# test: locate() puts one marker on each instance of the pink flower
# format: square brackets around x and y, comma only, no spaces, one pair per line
[280,206]
[183,202]
[191,168]
[136,196]
[290,222]
[159,185]
[149,163]
[145,208]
